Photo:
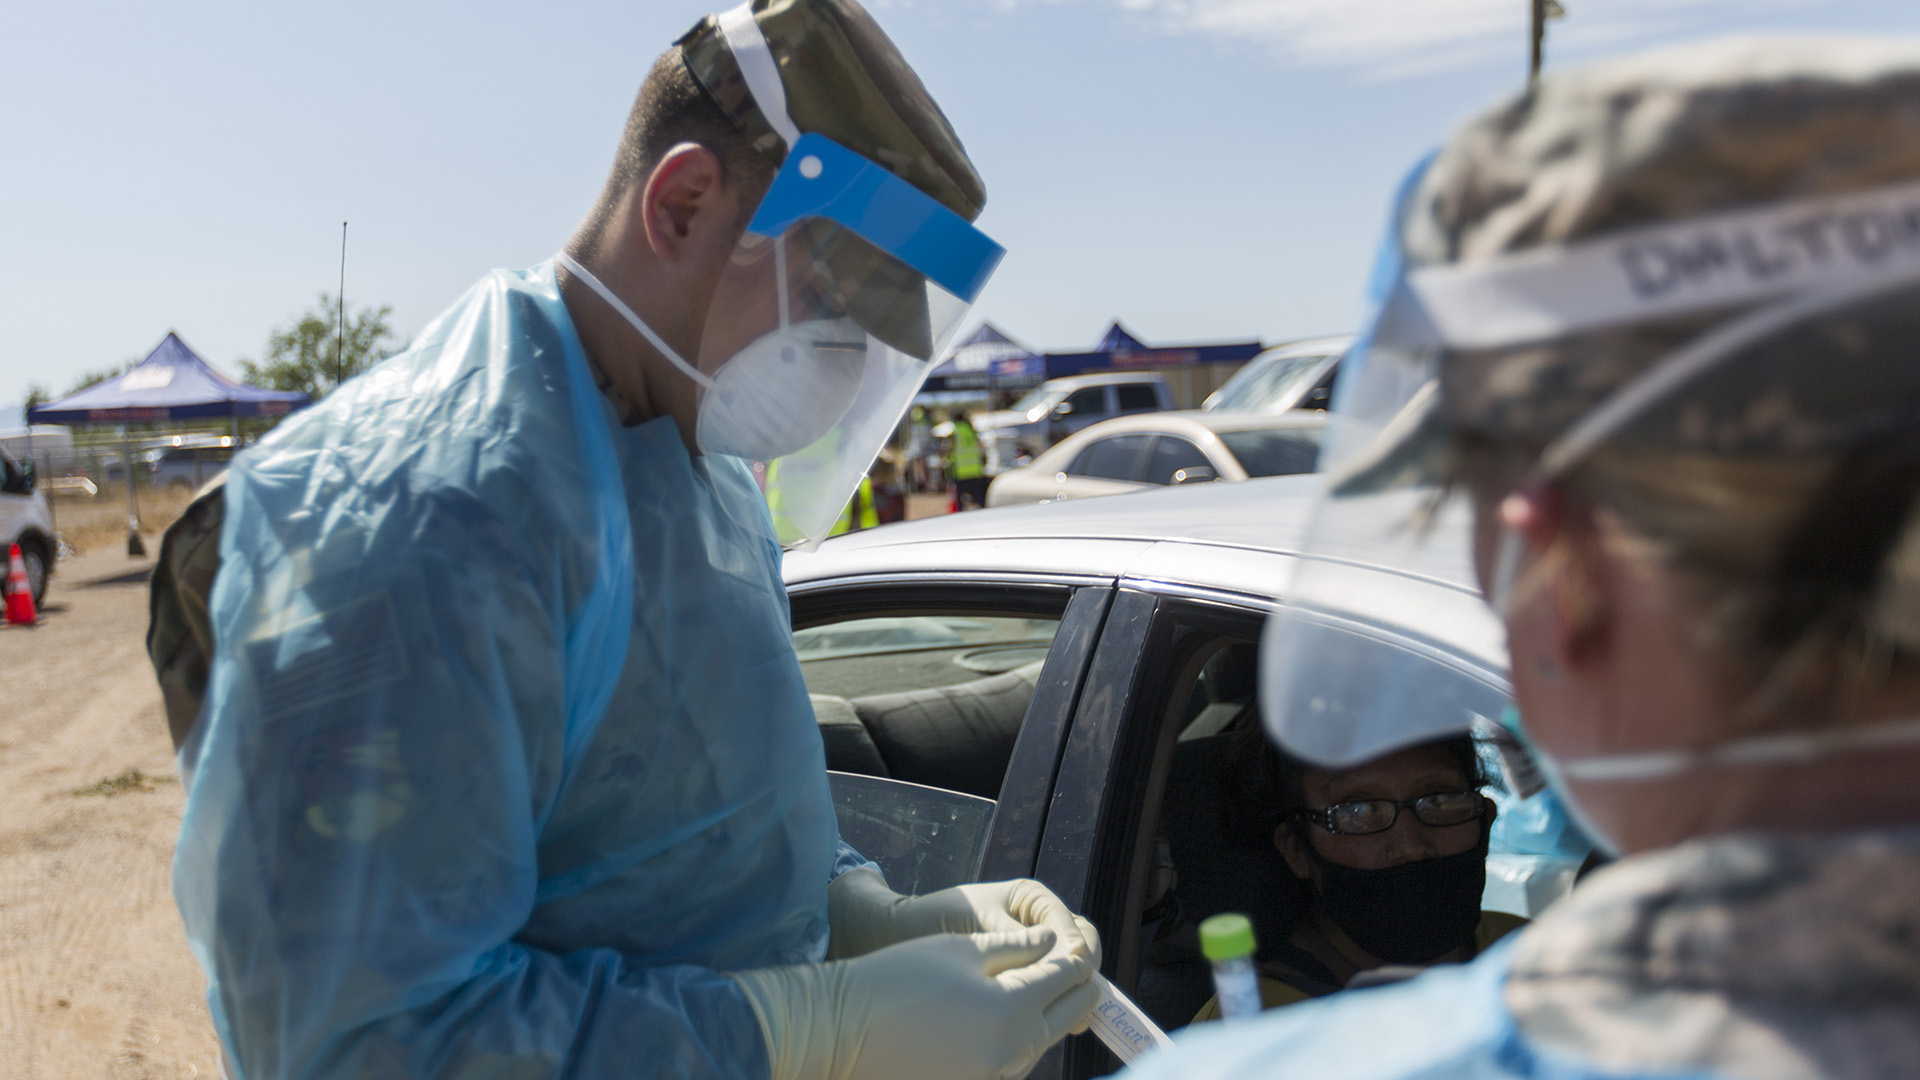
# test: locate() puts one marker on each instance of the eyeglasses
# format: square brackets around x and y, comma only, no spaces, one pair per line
[1362,817]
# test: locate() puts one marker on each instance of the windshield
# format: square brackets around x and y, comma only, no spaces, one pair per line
[1039,397]
[1275,451]
[1265,386]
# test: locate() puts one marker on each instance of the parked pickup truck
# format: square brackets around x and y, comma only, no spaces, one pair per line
[1059,407]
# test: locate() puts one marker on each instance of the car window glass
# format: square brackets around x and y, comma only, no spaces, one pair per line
[1138,399]
[928,699]
[1115,458]
[925,839]
[1274,452]
[1268,385]
[1040,397]
[1170,455]
[1092,400]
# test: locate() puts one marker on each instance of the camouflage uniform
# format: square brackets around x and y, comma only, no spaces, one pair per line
[180,635]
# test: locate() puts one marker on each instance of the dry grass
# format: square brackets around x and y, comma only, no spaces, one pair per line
[101,521]
[128,780]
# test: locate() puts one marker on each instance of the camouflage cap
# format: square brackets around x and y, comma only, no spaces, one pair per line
[844,79]
[1620,149]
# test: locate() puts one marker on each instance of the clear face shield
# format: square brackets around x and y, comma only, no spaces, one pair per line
[1803,333]
[838,300]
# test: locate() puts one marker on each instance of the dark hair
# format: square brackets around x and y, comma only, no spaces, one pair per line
[672,108]
[1268,787]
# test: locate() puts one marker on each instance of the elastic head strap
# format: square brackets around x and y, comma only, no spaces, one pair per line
[758,69]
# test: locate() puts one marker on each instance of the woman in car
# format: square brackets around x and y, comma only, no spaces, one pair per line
[1390,857]
[1657,321]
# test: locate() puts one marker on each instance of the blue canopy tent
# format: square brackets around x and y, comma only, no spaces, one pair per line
[987,360]
[172,383]
[1120,350]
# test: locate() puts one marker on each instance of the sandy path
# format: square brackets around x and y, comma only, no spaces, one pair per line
[95,976]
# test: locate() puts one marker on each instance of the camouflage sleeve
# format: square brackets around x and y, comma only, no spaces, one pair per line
[180,632]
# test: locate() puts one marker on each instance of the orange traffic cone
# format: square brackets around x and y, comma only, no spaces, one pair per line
[953,498]
[20,609]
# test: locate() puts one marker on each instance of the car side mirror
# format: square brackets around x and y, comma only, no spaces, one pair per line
[1196,474]
[1063,409]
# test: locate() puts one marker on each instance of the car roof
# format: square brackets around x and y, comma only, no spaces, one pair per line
[1330,345]
[1240,542]
[1104,378]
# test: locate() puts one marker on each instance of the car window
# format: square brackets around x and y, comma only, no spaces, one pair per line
[924,838]
[1273,452]
[1115,458]
[1171,454]
[1091,401]
[1267,384]
[1137,398]
[933,699]
[1040,397]
[1200,849]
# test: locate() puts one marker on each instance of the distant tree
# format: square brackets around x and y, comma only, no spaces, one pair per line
[308,354]
[37,395]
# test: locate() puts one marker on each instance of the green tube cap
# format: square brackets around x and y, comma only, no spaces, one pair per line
[1227,936]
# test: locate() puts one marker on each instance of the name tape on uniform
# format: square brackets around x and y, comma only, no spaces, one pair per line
[1718,260]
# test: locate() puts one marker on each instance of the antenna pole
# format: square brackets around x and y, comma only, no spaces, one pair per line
[1538,38]
[340,320]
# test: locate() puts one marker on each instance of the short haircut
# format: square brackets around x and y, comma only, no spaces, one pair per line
[1266,787]
[672,108]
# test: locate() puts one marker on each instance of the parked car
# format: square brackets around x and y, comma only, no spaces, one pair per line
[25,520]
[1059,407]
[188,461]
[1056,692]
[1161,449]
[1298,375]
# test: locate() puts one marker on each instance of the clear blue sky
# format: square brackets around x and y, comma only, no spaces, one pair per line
[1201,169]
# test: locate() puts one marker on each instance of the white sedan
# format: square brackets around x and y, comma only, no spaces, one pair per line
[1131,453]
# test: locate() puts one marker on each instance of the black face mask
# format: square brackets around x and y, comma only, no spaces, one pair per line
[1413,913]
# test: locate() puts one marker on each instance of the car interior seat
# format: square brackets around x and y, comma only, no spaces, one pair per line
[958,737]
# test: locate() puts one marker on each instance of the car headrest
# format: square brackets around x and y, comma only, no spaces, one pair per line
[849,747]
[958,737]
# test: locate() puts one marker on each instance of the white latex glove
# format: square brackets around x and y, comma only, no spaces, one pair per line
[865,915]
[946,1007]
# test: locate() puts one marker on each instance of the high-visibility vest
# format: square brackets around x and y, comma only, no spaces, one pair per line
[968,462]
[869,514]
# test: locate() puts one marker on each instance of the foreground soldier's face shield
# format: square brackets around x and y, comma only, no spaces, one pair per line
[833,309]
[1805,351]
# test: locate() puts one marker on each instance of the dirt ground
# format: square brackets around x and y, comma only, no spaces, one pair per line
[95,976]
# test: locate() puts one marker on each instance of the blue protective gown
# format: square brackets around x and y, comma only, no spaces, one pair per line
[1448,1023]
[506,752]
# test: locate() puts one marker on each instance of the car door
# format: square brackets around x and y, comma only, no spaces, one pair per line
[1084,407]
[1177,460]
[1106,466]
[1137,398]
[943,706]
